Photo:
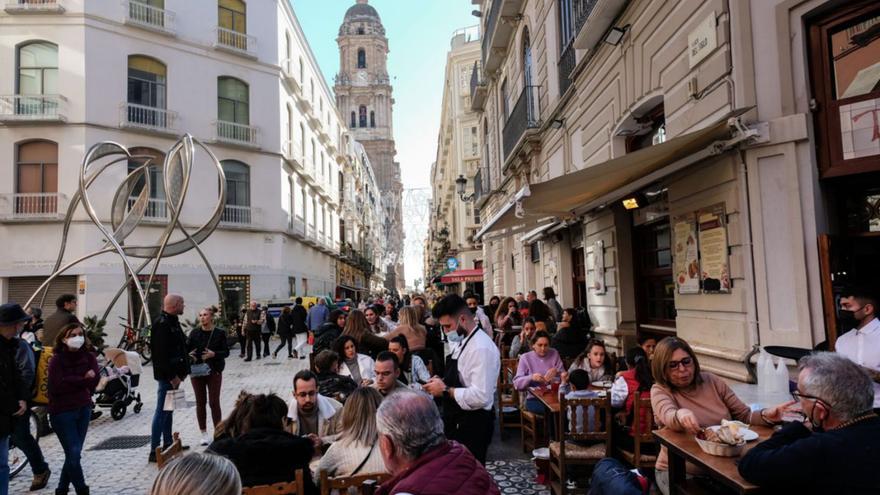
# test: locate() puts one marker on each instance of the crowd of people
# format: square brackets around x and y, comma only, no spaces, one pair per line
[408,390]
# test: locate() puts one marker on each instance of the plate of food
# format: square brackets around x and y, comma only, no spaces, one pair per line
[742,428]
[725,440]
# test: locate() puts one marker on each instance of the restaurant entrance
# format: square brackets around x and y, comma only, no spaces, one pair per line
[652,263]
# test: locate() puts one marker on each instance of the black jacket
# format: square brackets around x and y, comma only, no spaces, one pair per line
[168,344]
[569,341]
[325,335]
[335,386]
[199,340]
[796,460]
[264,456]
[285,325]
[299,314]
[10,384]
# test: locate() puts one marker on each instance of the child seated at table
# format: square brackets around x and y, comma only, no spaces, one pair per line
[576,385]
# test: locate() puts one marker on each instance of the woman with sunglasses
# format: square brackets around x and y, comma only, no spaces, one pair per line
[684,398]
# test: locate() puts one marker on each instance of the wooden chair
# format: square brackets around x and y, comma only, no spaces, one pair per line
[566,453]
[165,456]
[531,429]
[508,396]
[642,436]
[295,487]
[365,483]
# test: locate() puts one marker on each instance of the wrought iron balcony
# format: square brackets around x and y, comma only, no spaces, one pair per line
[235,42]
[566,67]
[478,88]
[525,115]
[32,108]
[34,7]
[591,19]
[148,16]
[230,132]
[500,27]
[32,206]
[146,117]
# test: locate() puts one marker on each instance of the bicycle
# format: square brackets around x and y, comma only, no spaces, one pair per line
[17,460]
[137,340]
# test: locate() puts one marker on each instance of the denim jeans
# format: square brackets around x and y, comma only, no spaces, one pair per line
[71,428]
[162,419]
[4,468]
[23,439]
[611,477]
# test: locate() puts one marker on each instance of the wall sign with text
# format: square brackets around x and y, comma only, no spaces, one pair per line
[714,263]
[686,257]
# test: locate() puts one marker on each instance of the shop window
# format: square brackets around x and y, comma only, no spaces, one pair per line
[655,288]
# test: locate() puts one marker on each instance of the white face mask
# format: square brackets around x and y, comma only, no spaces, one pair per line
[75,342]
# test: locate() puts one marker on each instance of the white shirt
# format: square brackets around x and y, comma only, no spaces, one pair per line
[366,365]
[484,320]
[862,346]
[478,367]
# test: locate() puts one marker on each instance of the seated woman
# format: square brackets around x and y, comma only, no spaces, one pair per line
[636,381]
[354,364]
[570,338]
[262,451]
[684,398]
[520,344]
[330,382]
[594,360]
[537,367]
[356,451]
[413,371]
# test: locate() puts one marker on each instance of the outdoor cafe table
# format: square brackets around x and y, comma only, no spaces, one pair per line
[682,446]
[550,399]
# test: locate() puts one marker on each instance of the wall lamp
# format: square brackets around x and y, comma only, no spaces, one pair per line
[615,34]
[557,123]
[476,13]
[460,184]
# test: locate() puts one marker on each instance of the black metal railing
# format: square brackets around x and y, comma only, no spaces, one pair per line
[525,115]
[582,10]
[475,79]
[491,21]
[565,68]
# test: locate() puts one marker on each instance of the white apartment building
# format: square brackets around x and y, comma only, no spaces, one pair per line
[454,218]
[238,76]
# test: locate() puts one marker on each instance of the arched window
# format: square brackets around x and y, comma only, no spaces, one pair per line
[36,178]
[146,91]
[233,101]
[156,208]
[353,119]
[362,59]
[37,69]
[362,116]
[238,192]
[302,140]
[372,118]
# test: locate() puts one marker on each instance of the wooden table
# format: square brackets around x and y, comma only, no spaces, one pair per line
[682,447]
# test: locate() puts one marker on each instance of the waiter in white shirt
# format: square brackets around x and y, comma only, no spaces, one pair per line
[468,388]
[858,311]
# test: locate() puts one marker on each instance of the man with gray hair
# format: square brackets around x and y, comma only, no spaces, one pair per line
[419,457]
[835,450]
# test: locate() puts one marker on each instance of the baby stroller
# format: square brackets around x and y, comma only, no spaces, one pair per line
[119,379]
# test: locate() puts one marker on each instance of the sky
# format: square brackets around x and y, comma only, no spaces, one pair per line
[419,32]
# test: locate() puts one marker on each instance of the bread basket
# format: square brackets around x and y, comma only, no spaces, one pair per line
[720,449]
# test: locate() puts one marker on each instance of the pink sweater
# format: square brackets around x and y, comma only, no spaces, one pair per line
[710,401]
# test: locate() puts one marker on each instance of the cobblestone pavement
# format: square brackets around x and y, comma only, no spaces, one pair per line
[111,472]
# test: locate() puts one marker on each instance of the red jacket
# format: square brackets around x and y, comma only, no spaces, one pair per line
[449,468]
[632,386]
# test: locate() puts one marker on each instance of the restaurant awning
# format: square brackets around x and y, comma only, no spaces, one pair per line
[356,289]
[472,275]
[536,234]
[576,193]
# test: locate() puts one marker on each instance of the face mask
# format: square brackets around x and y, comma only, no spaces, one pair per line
[848,319]
[455,336]
[75,342]
[473,310]
[817,427]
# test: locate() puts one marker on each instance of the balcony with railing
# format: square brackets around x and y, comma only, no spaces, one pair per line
[478,88]
[592,18]
[525,116]
[147,16]
[500,27]
[32,108]
[565,67]
[32,206]
[292,151]
[146,117]
[296,226]
[34,7]
[232,133]
[237,216]
[287,70]
[236,42]
[155,208]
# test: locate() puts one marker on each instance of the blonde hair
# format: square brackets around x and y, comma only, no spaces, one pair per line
[357,420]
[196,474]
[409,316]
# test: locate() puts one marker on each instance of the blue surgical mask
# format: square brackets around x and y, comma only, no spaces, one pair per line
[454,336]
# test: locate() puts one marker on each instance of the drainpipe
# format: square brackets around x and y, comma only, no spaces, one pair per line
[749,268]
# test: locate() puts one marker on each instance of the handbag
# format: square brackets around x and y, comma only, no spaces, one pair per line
[199,370]
[175,399]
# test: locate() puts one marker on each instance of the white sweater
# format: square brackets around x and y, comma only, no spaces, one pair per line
[343,458]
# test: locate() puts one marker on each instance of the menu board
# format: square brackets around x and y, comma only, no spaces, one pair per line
[599,267]
[686,256]
[715,272]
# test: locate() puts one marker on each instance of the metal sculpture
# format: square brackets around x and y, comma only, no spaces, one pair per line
[126,215]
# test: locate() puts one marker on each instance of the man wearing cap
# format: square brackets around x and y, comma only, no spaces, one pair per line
[12,396]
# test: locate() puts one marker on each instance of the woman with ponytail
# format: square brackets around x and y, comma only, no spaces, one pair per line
[636,381]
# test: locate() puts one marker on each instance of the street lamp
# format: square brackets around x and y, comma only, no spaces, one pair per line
[460,184]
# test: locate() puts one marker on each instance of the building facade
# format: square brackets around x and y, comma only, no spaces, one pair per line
[701,169]
[454,220]
[364,93]
[141,73]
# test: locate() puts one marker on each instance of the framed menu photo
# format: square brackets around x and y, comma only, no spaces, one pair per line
[714,266]
[686,256]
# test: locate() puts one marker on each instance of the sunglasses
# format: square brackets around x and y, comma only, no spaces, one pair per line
[686,362]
